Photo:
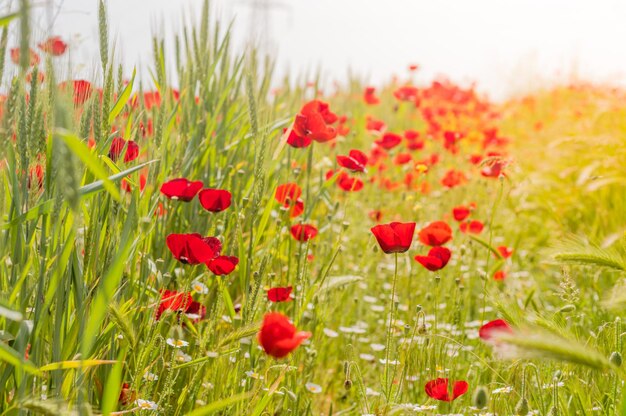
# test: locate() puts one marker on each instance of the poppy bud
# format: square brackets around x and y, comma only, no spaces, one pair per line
[457,281]
[345,225]
[522,407]
[437,279]
[480,397]
[422,329]
[347,384]
[418,308]
[461,288]
[616,359]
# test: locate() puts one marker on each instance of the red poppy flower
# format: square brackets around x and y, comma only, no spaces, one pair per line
[222,265]
[402,159]
[355,161]
[453,178]
[505,251]
[279,294]
[472,227]
[416,144]
[436,259]
[461,212]
[475,159]
[389,140]
[181,189]
[173,301]
[278,336]
[151,99]
[438,389]
[288,194]
[117,147]
[54,46]
[303,232]
[406,93]
[395,237]
[81,90]
[215,200]
[499,275]
[488,330]
[127,395]
[411,134]
[373,124]
[494,169]
[348,183]
[376,215]
[33,59]
[436,234]
[297,141]
[190,248]
[370,96]
[313,122]
[35,175]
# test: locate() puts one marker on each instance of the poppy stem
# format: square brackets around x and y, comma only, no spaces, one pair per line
[388,383]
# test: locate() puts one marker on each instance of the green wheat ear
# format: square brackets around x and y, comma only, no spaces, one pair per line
[578,251]
[103,28]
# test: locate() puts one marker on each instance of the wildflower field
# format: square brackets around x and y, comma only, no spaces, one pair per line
[207,240]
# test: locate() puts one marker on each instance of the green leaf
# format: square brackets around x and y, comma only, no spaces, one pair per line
[7,18]
[69,365]
[10,356]
[76,145]
[122,99]
[219,405]
[99,185]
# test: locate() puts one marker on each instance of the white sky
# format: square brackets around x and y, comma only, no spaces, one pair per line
[506,46]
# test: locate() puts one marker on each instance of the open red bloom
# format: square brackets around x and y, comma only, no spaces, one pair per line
[191,248]
[406,93]
[313,122]
[395,237]
[33,58]
[222,265]
[297,141]
[173,301]
[278,336]
[54,45]
[355,161]
[369,96]
[81,90]
[453,178]
[435,234]
[389,140]
[472,227]
[438,389]
[117,147]
[303,232]
[373,124]
[488,330]
[215,200]
[181,189]
[348,183]
[436,259]
[279,294]
[505,251]
[461,212]
[499,275]
[288,194]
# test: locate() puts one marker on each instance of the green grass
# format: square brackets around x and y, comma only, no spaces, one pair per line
[82,261]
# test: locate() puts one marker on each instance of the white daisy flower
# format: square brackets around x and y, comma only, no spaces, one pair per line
[313,388]
[146,404]
[176,343]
